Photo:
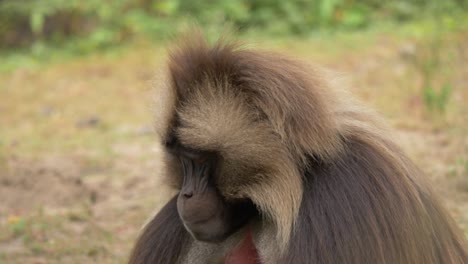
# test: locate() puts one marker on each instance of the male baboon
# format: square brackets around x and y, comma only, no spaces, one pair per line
[275,165]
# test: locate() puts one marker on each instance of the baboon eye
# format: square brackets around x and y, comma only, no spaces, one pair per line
[170,141]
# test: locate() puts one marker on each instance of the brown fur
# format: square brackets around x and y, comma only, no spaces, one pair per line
[331,185]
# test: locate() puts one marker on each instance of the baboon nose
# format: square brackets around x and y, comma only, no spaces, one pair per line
[187,194]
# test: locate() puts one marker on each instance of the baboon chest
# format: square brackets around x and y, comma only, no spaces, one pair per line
[245,253]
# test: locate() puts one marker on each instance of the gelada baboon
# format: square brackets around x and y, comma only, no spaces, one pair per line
[274,165]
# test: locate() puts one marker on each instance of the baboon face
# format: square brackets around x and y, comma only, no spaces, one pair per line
[204,212]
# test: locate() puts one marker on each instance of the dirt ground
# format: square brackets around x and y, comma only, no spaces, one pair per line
[80,165]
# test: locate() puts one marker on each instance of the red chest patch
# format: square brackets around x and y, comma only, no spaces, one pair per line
[245,253]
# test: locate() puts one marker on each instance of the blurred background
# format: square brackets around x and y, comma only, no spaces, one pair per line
[79,162]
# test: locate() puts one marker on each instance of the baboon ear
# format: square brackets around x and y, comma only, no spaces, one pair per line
[292,96]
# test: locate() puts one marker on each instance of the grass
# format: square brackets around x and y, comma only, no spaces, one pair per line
[79,163]
[57,101]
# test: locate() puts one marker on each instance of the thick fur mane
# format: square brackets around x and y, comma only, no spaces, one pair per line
[290,94]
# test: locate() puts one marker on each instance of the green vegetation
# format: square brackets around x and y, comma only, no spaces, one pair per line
[434,58]
[94,24]
[34,31]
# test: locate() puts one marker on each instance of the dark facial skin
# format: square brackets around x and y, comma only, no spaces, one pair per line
[204,212]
